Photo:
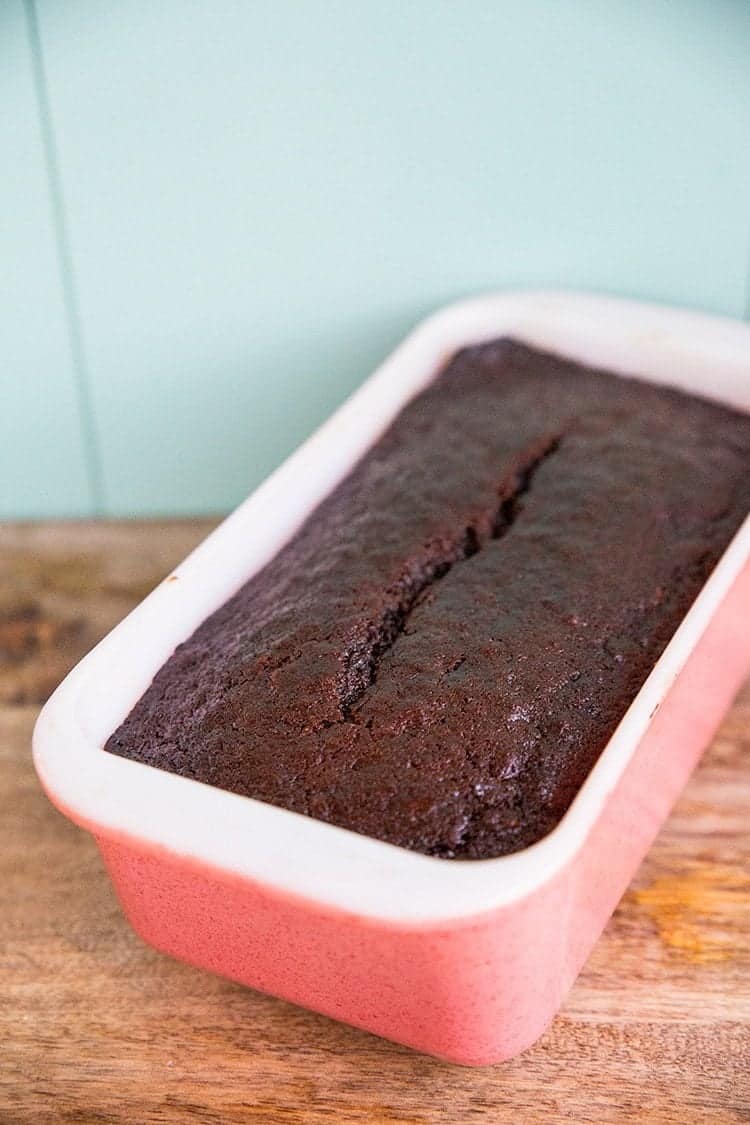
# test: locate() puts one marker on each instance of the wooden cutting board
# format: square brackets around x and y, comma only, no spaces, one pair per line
[95,1026]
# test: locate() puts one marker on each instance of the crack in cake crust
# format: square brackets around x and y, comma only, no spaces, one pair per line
[361,659]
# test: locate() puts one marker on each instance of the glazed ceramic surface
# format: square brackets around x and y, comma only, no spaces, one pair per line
[469,960]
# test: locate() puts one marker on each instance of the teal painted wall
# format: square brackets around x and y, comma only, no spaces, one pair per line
[43,468]
[216,218]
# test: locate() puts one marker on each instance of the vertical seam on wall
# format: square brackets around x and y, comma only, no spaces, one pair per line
[81,374]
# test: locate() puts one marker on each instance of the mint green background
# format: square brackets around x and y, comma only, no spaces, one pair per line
[215,218]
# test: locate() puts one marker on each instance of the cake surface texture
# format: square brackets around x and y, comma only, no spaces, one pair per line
[440,654]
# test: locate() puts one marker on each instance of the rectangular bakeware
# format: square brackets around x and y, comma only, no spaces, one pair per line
[468,960]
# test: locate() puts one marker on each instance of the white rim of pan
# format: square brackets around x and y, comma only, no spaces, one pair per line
[245,838]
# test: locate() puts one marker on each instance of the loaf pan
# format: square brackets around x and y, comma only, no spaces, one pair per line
[467,960]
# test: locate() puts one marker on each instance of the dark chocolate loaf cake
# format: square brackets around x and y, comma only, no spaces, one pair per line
[441,653]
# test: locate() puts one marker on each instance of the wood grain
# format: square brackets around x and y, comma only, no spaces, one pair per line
[96,1027]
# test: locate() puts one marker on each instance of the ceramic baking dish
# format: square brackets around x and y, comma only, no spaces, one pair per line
[466,960]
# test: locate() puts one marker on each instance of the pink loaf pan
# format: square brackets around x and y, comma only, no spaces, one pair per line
[465,960]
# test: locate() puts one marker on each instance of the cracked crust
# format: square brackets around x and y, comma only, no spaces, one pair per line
[361,658]
[441,653]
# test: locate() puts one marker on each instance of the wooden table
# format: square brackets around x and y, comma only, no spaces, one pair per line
[95,1026]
